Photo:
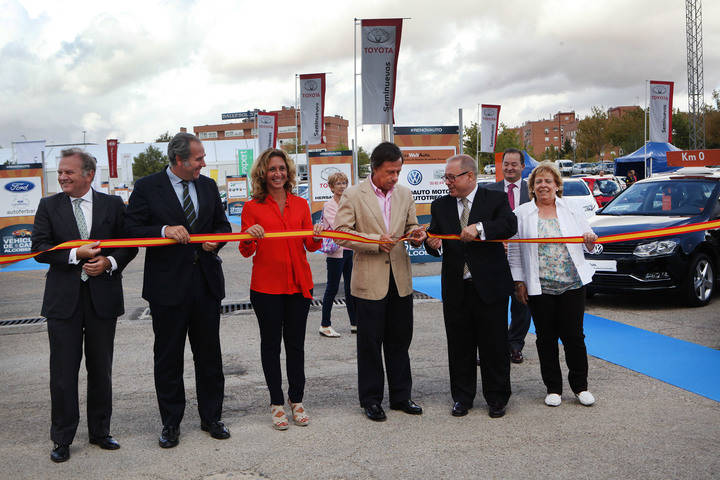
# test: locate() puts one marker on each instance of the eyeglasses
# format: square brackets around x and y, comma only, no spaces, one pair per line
[449,177]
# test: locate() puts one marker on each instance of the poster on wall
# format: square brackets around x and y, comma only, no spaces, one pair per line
[21,188]
[321,166]
[237,193]
[123,193]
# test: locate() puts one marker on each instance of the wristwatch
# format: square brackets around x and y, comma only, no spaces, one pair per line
[478,227]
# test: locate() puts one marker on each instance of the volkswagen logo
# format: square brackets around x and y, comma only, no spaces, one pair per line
[378,35]
[414,177]
[311,85]
[598,249]
[266,120]
[659,89]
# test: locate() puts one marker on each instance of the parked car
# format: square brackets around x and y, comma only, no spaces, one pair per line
[603,188]
[582,169]
[485,181]
[577,192]
[687,263]
[489,169]
[565,167]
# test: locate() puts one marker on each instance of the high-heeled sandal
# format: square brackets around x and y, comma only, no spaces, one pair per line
[300,418]
[279,419]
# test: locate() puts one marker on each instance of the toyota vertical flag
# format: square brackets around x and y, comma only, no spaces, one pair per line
[312,108]
[489,127]
[112,158]
[661,99]
[380,48]
[267,130]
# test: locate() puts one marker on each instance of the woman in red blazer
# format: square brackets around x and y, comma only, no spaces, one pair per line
[281,284]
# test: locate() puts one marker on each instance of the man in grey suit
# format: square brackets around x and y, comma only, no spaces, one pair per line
[517,192]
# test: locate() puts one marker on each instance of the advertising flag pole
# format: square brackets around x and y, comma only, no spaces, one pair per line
[355,143]
[296,119]
[645,131]
[477,138]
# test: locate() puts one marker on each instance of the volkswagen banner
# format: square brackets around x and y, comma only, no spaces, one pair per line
[489,127]
[660,108]
[312,108]
[380,48]
[267,130]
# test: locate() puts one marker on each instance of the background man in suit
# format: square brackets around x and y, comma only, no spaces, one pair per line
[83,298]
[184,283]
[476,282]
[380,209]
[517,194]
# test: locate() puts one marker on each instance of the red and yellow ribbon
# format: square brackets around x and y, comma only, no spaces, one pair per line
[335,235]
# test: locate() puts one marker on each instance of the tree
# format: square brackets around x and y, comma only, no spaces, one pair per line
[363,160]
[507,138]
[681,130]
[150,161]
[551,153]
[626,131]
[567,149]
[592,135]
[164,137]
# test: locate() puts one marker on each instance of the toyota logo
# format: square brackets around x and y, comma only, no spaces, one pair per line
[311,85]
[328,171]
[414,177]
[379,35]
[266,120]
[659,89]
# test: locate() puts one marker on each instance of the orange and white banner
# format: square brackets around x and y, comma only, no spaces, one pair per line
[267,124]
[660,111]
[379,58]
[312,108]
[490,114]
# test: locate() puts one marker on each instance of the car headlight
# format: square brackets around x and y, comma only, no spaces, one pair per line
[660,247]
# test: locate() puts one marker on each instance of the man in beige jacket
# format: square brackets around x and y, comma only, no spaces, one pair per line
[380,209]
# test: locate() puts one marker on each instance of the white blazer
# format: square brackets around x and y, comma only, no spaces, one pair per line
[523,257]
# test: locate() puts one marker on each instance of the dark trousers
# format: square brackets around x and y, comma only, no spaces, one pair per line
[197,318]
[519,324]
[66,349]
[384,325]
[561,317]
[282,318]
[335,268]
[475,326]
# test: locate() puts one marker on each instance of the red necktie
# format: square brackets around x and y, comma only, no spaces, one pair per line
[511,195]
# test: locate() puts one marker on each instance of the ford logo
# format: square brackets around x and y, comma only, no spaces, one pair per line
[414,177]
[378,35]
[19,186]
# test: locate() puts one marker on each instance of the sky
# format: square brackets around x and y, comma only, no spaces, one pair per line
[132,70]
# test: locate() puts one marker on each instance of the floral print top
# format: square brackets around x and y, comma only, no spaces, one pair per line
[557,271]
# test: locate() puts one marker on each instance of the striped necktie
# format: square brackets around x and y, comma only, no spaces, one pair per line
[463,223]
[188,206]
[82,227]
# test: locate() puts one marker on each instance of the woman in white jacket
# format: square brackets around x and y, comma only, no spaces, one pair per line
[551,279]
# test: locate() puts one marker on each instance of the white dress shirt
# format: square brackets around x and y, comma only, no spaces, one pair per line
[86,206]
[177,186]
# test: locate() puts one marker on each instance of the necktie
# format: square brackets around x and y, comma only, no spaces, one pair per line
[464,217]
[511,195]
[82,228]
[188,206]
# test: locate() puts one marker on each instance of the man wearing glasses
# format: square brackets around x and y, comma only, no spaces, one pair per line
[476,283]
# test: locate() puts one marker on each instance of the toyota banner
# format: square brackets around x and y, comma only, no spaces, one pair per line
[661,99]
[380,48]
[267,130]
[489,127]
[312,108]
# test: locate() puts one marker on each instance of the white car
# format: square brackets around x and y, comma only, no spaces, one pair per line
[565,167]
[577,192]
[489,169]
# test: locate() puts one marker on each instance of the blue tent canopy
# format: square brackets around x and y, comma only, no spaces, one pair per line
[654,152]
[530,163]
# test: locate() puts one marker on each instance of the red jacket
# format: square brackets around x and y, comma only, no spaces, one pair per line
[280,265]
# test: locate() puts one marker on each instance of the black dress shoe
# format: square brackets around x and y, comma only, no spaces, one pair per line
[375,413]
[496,411]
[60,453]
[106,443]
[217,430]
[169,437]
[516,356]
[459,410]
[408,406]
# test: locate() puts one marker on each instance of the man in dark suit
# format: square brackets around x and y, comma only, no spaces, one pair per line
[517,193]
[184,283]
[83,298]
[476,282]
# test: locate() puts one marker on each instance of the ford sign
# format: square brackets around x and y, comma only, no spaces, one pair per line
[19,186]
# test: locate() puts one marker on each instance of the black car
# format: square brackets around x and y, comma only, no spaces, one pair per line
[688,263]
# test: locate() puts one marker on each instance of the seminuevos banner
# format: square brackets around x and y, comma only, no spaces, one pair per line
[312,108]
[267,130]
[380,48]
[489,127]
[660,108]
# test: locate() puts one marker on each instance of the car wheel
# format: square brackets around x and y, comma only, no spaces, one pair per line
[699,285]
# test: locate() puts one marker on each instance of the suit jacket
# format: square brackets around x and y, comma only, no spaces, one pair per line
[360,213]
[487,261]
[54,224]
[500,187]
[168,270]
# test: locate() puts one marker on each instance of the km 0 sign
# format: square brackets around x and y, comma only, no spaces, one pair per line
[693,158]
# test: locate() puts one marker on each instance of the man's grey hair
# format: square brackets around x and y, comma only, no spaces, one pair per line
[466,162]
[180,146]
[89,164]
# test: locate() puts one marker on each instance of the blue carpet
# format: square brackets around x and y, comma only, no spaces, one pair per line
[686,365]
[24,265]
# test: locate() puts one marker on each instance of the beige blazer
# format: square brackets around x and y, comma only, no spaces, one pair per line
[360,213]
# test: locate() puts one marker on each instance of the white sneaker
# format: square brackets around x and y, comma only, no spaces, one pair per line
[553,400]
[328,332]
[586,398]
